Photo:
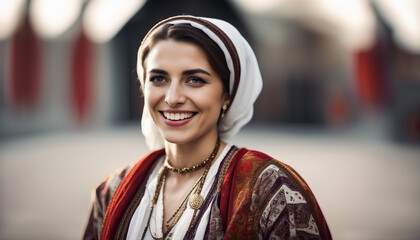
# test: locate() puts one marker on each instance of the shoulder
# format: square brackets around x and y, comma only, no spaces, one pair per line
[107,187]
[253,163]
[257,173]
[113,179]
[257,164]
[263,175]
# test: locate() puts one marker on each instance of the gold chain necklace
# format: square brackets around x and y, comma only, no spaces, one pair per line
[178,213]
[196,199]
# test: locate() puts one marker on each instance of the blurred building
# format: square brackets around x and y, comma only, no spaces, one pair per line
[324,65]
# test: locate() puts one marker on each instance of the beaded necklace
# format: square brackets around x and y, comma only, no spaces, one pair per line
[195,167]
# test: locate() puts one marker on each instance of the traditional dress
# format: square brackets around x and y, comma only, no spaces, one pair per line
[247,194]
[251,196]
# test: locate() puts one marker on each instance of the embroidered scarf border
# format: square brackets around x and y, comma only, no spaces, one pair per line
[125,193]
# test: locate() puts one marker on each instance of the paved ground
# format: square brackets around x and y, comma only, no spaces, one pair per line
[368,188]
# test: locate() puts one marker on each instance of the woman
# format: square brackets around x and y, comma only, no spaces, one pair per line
[200,79]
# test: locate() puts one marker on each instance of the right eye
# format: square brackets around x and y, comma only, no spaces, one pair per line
[157,79]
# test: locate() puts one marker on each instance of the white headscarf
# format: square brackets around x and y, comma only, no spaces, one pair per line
[245,81]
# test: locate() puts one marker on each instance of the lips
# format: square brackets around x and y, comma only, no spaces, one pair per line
[177,116]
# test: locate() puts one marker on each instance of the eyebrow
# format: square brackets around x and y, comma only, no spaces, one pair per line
[186,72]
[158,71]
[194,71]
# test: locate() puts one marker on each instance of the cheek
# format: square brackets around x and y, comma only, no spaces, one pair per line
[151,97]
[212,102]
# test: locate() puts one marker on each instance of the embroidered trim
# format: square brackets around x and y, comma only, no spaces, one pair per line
[122,229]
[225,166]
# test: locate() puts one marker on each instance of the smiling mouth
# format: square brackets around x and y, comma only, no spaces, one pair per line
[177,116]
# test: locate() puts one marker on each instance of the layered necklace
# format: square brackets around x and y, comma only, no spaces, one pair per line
[196,199]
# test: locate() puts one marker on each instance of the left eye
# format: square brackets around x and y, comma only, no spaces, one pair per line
[196,80]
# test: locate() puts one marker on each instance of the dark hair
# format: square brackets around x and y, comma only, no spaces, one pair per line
[186,33]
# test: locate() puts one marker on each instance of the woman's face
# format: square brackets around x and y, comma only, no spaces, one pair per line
[183,93]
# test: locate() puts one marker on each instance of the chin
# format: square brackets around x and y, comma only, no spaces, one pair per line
[184,136]
[176,138]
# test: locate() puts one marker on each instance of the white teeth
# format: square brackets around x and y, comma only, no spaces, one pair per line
[177,116]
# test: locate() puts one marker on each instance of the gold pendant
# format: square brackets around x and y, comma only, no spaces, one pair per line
[196,201]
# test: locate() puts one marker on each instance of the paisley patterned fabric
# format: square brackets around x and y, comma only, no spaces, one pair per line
[253,197]
[263,198]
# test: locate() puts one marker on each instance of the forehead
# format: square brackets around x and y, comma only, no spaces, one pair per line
[170,53]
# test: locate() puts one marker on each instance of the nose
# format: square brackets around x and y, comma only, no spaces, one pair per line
[175,95]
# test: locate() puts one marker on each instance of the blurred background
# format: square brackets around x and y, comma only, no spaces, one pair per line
[340,104]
